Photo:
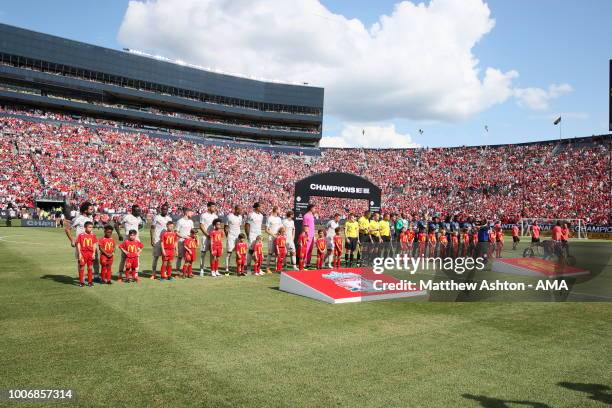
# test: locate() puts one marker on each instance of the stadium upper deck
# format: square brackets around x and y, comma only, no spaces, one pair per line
[50,72]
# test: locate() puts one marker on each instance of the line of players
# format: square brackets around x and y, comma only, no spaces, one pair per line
[364,239]
[180,241]
[387,236]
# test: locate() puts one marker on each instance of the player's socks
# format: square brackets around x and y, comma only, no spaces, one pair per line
[89,275]
[227,262]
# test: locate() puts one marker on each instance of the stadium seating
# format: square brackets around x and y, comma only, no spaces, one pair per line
[115,169]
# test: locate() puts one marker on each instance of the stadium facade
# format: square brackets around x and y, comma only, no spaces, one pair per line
[51,73]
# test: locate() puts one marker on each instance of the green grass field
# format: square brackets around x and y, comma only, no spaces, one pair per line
[231,341]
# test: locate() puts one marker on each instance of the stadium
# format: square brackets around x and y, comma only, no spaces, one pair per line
[137,145]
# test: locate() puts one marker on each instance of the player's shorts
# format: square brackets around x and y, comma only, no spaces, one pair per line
[168,257]
[535,239]
[386,238]
[290,246]
[241,260]
[157,252]
[363,238]
[106,260]
[231,242]
[88,259]
[131,263]
[350,244]
[330,243]
[516,239]
[205,244]
[216,250]
[189,257]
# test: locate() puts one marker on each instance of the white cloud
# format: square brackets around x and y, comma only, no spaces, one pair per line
[416,62]
[538,98]
[368,135]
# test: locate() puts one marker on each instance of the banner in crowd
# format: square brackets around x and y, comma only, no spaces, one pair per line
[38,223]
[590,231]
[588,228]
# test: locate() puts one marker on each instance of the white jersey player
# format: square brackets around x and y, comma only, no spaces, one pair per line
[252,227]
[130,222]
[233,224]
[183,229]
[157,227]
[330,232]
[273,224]
[78,224]
[206,227]
[289,225]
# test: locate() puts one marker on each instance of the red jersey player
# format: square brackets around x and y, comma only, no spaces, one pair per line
[499,238]
[337,248]
[303,247]
[169,247]
[216,237]
[492,242]
[86,246]
[535,233]
[106,247]
[465,242]
[321,244]
[422,239]
[257,256]
[454,244]
[443,243]
[280,245]
[132,248]
[515,236]
[241,252]
[474,242]
[403,238]
[191,245]
[431,239]
[411,237]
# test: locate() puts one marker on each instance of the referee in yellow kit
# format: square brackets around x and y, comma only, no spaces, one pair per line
[351,234]
[364,238]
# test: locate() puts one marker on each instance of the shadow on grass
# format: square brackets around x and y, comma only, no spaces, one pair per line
[599,392]
[488,402]
[65,279]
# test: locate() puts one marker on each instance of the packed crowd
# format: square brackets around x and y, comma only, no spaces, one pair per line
[115,169]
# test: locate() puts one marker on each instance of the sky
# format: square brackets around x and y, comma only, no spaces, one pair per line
[446,67]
